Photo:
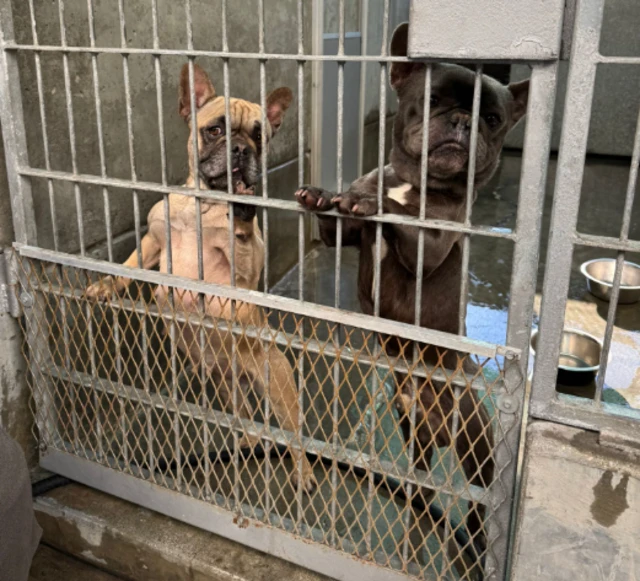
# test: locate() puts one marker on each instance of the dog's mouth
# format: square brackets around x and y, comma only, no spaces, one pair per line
[240,185]
[450,146]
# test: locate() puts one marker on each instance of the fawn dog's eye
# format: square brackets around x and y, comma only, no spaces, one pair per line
[215,131]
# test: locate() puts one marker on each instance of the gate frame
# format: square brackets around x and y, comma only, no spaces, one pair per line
[617,422]
[526,238]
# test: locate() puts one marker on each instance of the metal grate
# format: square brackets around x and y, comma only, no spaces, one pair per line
[111,386]
[409,487]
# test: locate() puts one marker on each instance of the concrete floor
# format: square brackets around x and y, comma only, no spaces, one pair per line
[51,565]
[605,184]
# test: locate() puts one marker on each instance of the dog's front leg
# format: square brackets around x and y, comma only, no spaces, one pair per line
[103,289]
[279,386]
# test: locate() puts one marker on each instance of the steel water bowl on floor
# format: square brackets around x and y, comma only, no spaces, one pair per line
[579,359]
[599,274]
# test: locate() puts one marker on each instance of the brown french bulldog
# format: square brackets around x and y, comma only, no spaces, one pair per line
[252,358]
[449,143]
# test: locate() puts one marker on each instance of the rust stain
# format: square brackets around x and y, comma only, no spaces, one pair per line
[241,521]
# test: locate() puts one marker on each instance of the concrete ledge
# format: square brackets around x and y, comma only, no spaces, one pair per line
[141,545]
[580,508]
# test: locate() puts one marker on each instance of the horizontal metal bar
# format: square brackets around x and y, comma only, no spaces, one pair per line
[252,512]
[607,242]
[292,205]
[270,301]
[581,413]
[12,46]
[618,60]
[209,517]
[269,433]
[286,340]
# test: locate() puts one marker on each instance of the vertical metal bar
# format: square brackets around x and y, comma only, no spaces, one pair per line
[78,200]
[263,143]
[301,157]
[45,131]
[301,366]
[195,161]
[608,333]
[382,130]
[130,136]
[424,169]
[453,459]
[266,345]
[338,267]
[624,237]
[533,180]
[232,256]
[13,133]
[134,177]
[339,152]
[377,272]
[98,105]
[70,117]
[471,179]
[364,48]
[119,372]
[573,148]
[167,221]
[88,311]
[317,74]
[73,388]
[159,105]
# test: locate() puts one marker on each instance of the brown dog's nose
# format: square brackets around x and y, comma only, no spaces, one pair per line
[461,119]
[240,149]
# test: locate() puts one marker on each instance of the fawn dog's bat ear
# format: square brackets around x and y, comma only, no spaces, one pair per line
[202,88]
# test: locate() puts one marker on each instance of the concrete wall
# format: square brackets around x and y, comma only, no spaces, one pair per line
[617,91]
[15,415]
[580,511]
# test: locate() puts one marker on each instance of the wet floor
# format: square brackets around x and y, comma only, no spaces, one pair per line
[604,188]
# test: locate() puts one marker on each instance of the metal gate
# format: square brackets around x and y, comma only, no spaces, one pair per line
[616,423]
[117,406]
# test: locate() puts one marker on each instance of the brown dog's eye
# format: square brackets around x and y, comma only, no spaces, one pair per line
[215,131]
[492,120]
[434,101]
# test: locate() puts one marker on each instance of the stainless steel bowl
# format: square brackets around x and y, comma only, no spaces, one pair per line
[579,357]
[599,274]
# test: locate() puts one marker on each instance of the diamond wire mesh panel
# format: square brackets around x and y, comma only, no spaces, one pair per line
[126,383]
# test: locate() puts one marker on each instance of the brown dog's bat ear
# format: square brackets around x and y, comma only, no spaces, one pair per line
[278,101]
[520,93]
[399,72]
[202,87]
